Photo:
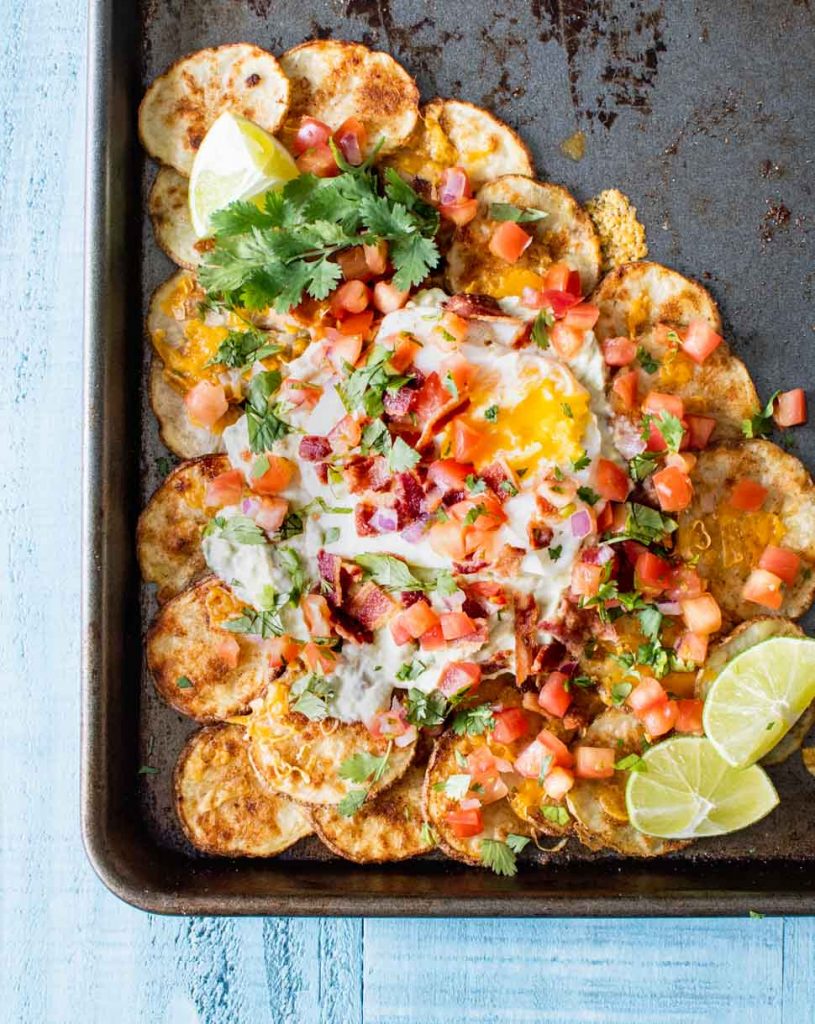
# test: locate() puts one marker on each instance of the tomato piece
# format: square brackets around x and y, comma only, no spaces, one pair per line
[228,651]
[661,718]
[275,478]
[625,386]
[458,676]
[764,588]
[299,393]
[310,133]
[557,278]
[619,351]
[582,317]
[457,369]
[689,716]
[557,783]
[466,441]
[674,489]
[692,647]
[343,348]
[611,481]
[318,160]
[205,403]
[465,824]
[558,302]
[224,489]
[646,694]
[510,725]
[554,698]
[490,515]
[791,408]
[700,340]
[404,352]
[748,495]
[388,298]
[271,514]
[586,579]
[449,475]
[281,650]
[345,435]
[700,429]
[594,762]
[566,341]
[780,561]
[376,257]
[433,640]
[529,763]
[318,658]
[702,614]
[317,615]
[358,323]
[351,137]
[561,755]
[652,574]
[450,331]
[351,297]
[454,184]
[509,241]
[455,625]
[415,620]
[685,582]
[657,402]
[461,212]
[448,540]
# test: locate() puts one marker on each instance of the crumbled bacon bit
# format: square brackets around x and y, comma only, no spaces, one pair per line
[399,403]
[314,448]
[349,628]
[362,519]
[366,473]
[330,569]
[540,535]
[526,626]
[409,496]
[469,305]
[494,475]
[508,562]
[371,606]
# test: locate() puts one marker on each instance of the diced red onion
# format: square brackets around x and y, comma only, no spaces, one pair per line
[452,186]
[384,520]
[669,607]
[416,530]
[250,507]
[470,804]
[580,523]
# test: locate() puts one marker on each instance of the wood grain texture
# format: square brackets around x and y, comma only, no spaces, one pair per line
[71,952]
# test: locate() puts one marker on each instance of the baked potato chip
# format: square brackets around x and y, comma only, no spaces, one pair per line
[192,658]
[598,805]
[333,80]
[180,105]
[633,300]
[389,827]
[729,543]
[177,433]
[168,537]
[452,133]
[222,806]
[622,237]
[170,214]
[565,234]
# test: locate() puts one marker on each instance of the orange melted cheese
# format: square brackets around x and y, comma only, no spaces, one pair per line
[729,538]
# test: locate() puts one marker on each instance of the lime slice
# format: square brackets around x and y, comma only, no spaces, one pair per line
[758,696]
[236,160]
[686,791]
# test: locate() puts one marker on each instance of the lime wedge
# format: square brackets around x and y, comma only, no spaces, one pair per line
[758,696]
[236,160]
[686,791]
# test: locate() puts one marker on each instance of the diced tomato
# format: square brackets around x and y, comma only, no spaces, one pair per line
[455,625]
[582,317]
[461,212]
[450,331]
[458,676]
[619,351]
[318,658]
[457,369]
[656,442]
[465,824]
[299,393]
[566,341]
[433,640]
[652,574]
[764,588]
[791,408]
[310,133]
[351,137]
[661,718]
[561,755]
[510,725]
[646,694]
[702,614]
[318,160]
[492,790]
[657,402]
[317,615]
[466,441]
[557,278]
[399,633]
[271,514]
[490,515]
[275,478]
[685,582]
[228,650]
[351,297]
[414,621]
[586,579]
[625,387]
[700,340]
[529,763]
[404,352]
[388,298]
[594,762]
[554,698]
[689,716]
[281,650]
[454,184]
[692,647]
[342,348]
[205,403]
[700,429]
[448,540]
[483,765]
[557,783]
[782,562]
[376,257]
[611,481]
[224,489]
[449,475]
[674,489]
[358,323]
[345,435]
[509,241]
[558,302]
[748,495]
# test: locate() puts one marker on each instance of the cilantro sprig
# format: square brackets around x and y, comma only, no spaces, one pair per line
[762,422]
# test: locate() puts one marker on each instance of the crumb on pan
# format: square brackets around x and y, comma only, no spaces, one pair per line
[622,236]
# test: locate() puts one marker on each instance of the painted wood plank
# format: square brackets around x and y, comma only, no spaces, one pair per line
[798,981]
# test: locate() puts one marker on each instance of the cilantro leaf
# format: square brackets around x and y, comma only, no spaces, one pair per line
[240,349]
[499,857]
[413,257]
[644,524]
[642,465]
[237,529]
[183,683]
[671,428]
[389,572]
[402,456]
[555,551]
[631,763]
[363,766]
[650,621]
[454,786]
[474,721]
[762,422]
[581,463]
[264,624]
[540,328]
[425,709]
[588,495]
[351,802]
[517,843]
[646,360]
[474,484]
[491,414]
[556,814]
[506,211]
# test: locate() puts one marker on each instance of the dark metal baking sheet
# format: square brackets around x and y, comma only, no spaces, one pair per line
[705,117]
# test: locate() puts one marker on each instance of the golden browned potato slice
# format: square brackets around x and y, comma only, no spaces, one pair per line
[389,827]
[598,805]
[302,758]
[729,542]
[222,806]
[168,537]
[180,105]
[453,133]
[622,237]
[565,234]
[191,656]
[170,215]
[179,435]
[333,80]
[633,300]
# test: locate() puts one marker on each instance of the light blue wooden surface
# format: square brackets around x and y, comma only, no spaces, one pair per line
[72,952]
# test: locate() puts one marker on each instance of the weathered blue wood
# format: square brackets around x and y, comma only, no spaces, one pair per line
[71,952]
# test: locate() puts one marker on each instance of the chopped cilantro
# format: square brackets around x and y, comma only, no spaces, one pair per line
[567,410]
[499,857]
[506,211]
[491,414]
[619,693]
[508,488]
[474,721]
[762,422]
[517,843]
[240,349]
[183,683]
[540,328]
[557,815]
[363,767]
[425,709]
[581,463]
[631,763]
[642,465]
[474,484]
[351,802]
[588,495]
[646,360]
[555,551]
[264,624]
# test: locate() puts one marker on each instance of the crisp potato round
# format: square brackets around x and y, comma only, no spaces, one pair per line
[168,537]
[333,80]
[170,214]
[565,234]
[389,827]
[190,672]
[636,297]
[302,758]
[598,805]
[453,133]
[222,806]
[729,543]
[177,433]
[181,104]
